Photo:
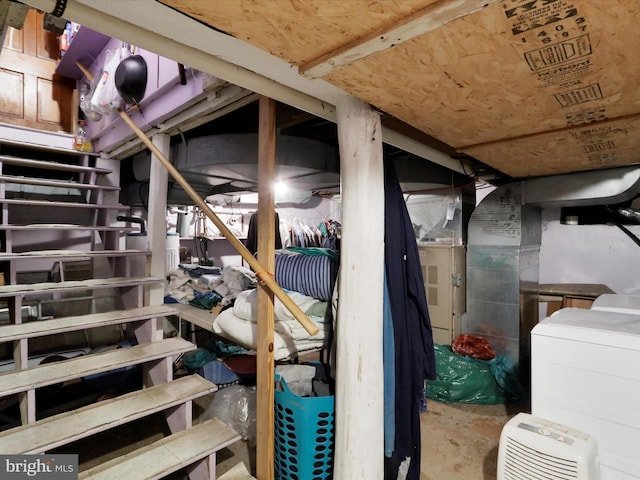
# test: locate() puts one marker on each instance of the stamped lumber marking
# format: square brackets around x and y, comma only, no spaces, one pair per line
[588,93]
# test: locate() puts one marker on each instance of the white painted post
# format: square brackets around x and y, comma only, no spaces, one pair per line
[157,223]
[359,432]
[152,330]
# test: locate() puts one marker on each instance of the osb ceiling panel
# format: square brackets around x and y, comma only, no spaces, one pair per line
[298,31]
[593,146]
[531,87]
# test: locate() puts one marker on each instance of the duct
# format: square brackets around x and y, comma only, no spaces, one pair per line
[226,164]
[599,187]
[504,238]
[234,157]
[502,273]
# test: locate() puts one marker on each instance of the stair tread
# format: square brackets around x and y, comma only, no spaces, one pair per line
[49,203]
[43,164]
[168,454]
[61,226]
[12,179]
[70,426]
[69,324]
[51,373]
[62,254]
[39,288]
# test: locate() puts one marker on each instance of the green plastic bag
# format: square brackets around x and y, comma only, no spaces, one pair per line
[462,379]
[197,359]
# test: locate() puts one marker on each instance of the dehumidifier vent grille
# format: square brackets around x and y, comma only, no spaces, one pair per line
[522,462]
[532,448]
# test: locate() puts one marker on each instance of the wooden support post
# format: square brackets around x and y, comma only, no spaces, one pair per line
[266,255]
[158,187]
[27,400]
[105,267]
[359,415]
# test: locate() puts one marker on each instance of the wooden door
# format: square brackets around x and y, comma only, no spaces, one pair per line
[31,95]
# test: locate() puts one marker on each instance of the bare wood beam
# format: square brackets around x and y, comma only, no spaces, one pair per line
[414,25]
[266,254]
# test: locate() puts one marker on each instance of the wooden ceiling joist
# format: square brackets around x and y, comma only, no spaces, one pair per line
[407,28]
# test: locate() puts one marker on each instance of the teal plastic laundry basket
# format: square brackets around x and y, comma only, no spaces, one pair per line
[304,433]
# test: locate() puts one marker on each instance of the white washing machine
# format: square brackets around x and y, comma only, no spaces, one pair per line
[585,373]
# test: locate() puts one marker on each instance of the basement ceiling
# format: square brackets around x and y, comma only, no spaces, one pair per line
[219,157]
[530,88]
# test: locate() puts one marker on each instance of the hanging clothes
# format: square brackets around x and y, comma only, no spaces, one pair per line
[252,234]
[283,227]
[388,363]
[330,231]
[412,336]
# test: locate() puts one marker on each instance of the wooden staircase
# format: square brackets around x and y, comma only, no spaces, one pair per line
[115,295]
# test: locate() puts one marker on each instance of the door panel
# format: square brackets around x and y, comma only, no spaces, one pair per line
[32,95]
[11,95]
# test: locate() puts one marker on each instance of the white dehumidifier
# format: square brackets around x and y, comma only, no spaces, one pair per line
[532,447]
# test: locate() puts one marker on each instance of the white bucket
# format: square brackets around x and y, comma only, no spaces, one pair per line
[173,251]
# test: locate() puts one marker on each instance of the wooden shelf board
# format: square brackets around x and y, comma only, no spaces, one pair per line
[202,318]
[84,48]
[95,283]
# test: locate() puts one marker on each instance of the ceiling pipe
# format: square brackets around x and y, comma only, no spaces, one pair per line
[598,187]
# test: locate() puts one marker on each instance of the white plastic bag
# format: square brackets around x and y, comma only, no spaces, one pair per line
[235,405]
[106,98]
[86,93]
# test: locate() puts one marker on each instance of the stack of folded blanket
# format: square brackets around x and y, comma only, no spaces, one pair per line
[308,276]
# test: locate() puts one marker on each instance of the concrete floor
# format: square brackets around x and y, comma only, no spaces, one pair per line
[460,441]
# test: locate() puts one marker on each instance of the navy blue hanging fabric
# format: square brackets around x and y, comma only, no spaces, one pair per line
[252,234]
[413,341]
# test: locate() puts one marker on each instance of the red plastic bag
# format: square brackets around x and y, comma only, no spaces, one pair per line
[472,346]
